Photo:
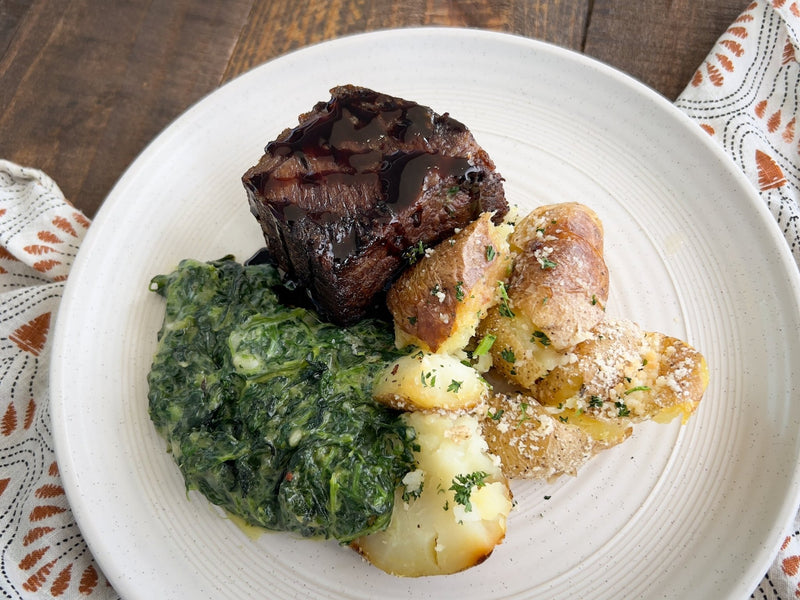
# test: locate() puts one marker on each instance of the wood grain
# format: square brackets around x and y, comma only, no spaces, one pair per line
[275,28]
[86,84]
[665,53]
[85,88]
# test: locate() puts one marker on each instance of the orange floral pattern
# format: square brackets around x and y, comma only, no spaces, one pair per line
[43,554]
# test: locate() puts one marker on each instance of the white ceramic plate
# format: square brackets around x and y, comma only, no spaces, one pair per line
[693,512]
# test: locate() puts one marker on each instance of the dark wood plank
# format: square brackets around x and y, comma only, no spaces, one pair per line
[85,88]
[659,42]
[275,28]
[24,26]
[86,84]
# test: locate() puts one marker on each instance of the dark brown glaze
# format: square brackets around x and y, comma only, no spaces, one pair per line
[363,178]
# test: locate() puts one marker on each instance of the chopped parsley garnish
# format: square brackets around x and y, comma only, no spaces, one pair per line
[546,263]
[508,355]
[454,386]
[622,409]
[484,345]
[428,378]
[638,388]
[463,484]
[596,401]
[412,494]
[525,416]
[415,252]
[541,337]
[505,309]
[490,253]
[498,414]
[459,291]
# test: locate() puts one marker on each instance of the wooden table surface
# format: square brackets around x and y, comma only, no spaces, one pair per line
[86,84]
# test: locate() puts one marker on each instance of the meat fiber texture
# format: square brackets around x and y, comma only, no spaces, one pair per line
[363,182]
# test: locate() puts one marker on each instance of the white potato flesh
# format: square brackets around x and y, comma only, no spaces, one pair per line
[424,381]
[521,352]
[431,533]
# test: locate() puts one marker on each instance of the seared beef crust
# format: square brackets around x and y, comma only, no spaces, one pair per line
[364,178]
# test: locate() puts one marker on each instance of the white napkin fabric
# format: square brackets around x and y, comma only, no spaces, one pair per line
[746,95]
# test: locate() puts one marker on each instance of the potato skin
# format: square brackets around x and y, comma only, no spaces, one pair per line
[556,292]
[578,219]
[532,443]
[586,380]
[560,279]
[437,303]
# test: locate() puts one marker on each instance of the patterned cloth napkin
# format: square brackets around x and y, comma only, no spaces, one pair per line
[42,553]
[745,95]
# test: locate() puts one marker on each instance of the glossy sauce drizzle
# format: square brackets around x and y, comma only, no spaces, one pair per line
[366,140]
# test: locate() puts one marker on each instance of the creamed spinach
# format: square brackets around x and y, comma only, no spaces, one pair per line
[267,410]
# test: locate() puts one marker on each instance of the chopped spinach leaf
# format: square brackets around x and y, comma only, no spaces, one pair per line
[267,410]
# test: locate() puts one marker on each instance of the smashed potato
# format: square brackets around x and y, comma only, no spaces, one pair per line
[533,311]
[560,279]
[438,302]
[452,510]
[520,350]
[423,380]
[624,371]
[556,293]
[532,443]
